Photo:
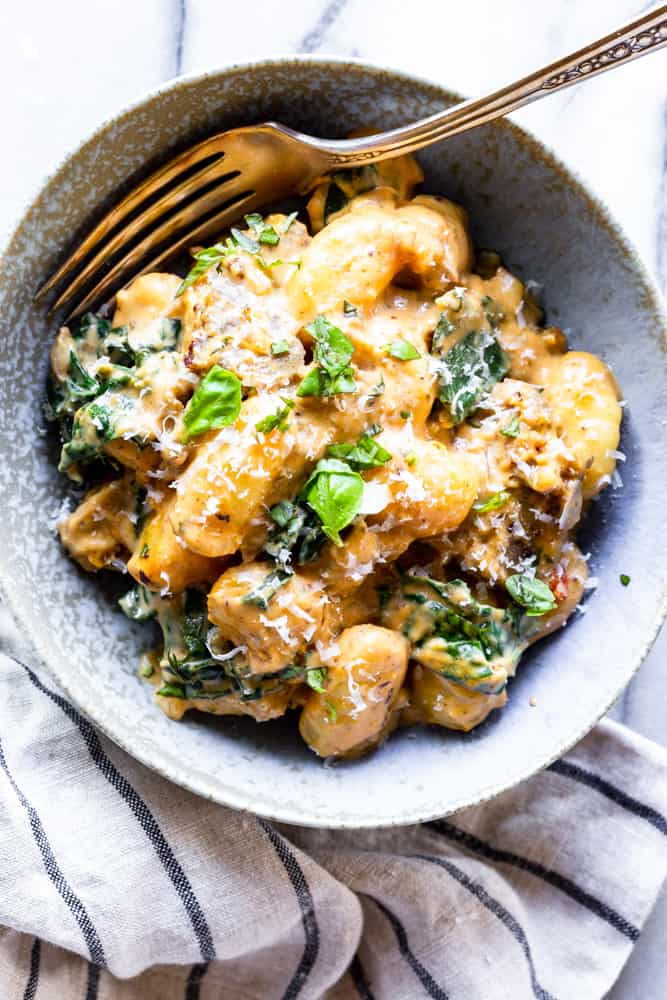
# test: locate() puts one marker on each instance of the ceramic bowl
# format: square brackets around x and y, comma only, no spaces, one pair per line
[524,203]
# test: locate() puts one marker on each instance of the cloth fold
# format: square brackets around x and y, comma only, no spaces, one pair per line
[116,884]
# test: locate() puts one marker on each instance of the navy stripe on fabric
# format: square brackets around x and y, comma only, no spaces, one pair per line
[424,976]
[555,879]
[307,907]
[358,977]
[33,976]
[74,904]
[621,798]
[142,814]
[193,984]
[498,910]
[93,984]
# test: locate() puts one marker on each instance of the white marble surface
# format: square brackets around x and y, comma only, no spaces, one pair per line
[65,66]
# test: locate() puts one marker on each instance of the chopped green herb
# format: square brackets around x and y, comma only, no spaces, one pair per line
[144,551]
[279,347]
[365,454]
[513,428]
[315,678]
[625,579]
[243,241]
[211,256]
[332,710]
[333,352]
[216,403]
[492,311]
[469,370]
[171,691]
[349,309]
[298,536]
[473,644]
[374,392]
[411,458]
[401,350]
[195,621]
[287,224]
[146,668]
[334,491]
[495,502]
[206,259]
[264,591]
[265,233]
[405,414]
[138,604]
[279,419]
[531,593]
[444,329]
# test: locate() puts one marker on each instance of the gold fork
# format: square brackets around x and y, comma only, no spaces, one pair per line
[204,190]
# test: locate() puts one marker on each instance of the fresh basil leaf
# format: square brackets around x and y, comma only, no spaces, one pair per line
[333,351]
[625,579]
[513,428]
[365,454]
[315,678]
[216,403]
[531,593]
[334,491]
[469,370]
[279,347]
[402,350]
[279,419]
[264,591]
[495,502]
[265,233]
[315,383]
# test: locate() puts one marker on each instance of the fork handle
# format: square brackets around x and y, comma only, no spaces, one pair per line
[646,34]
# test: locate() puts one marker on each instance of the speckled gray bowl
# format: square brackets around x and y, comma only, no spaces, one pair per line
[523,202]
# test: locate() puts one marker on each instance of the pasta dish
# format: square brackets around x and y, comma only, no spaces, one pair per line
[342,462]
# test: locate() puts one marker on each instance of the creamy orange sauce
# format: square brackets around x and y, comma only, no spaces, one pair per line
[487,498]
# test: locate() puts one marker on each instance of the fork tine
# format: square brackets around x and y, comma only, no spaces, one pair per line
[152,184]
[224,191]
[113,281]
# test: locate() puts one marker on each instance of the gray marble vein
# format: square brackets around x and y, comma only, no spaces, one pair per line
[313,38]
[180,14]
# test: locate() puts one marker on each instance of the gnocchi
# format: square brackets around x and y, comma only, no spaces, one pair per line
[343,461]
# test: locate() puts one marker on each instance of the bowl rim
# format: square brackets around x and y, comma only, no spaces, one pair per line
[212,789]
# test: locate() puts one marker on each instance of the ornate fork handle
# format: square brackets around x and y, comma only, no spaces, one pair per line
[621,51]
[646,34]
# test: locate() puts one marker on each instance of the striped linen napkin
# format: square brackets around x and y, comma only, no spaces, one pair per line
[115,884]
